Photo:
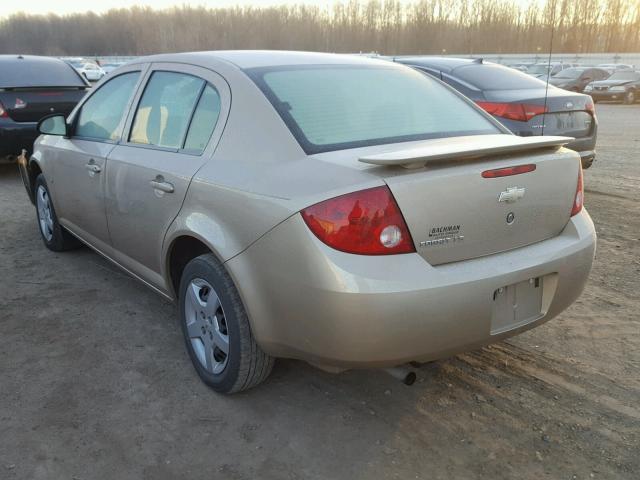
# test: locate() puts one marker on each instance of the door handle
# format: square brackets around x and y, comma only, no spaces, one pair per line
[160,184]
[93,168]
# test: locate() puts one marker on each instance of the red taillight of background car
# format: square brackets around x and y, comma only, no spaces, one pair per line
[521,112]
[367,222]
[3,112]
[578,199]
[590,107]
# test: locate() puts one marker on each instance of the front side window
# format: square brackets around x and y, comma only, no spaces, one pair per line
[336,107]
[165,109]
[101,116]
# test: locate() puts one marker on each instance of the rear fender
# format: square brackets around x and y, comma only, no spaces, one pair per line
[205,229]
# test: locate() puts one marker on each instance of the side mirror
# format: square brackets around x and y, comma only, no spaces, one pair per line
[55,124]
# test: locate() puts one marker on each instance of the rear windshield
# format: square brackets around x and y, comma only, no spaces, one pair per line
[569,73]
[337,107]
[496,77]
[30,72]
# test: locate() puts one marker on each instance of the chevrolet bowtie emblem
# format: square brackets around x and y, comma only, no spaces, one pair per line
[511,194]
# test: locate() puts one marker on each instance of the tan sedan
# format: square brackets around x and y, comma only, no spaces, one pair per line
[346,211]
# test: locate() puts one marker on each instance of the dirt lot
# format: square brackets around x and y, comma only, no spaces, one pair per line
[95,382]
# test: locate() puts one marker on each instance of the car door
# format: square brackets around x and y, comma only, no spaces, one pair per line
[79,165]
[588,76]
[178,119]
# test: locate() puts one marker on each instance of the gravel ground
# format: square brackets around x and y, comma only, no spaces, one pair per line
[95,382]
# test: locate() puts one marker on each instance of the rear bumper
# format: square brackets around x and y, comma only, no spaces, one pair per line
[585,146]
[608,96]
[310,302]
[15,136]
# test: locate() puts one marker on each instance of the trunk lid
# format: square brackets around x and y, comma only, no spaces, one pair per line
[455,214]
[31,104]
[567,112]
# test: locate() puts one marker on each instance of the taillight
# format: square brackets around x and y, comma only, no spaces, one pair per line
[522,112]
[578,199]
[3,112]
[590,107]
[367,222]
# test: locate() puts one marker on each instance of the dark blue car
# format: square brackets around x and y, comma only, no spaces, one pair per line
[30,88]
[517,100]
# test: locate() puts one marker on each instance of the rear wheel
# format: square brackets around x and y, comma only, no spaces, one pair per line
[630,97]
[54,236]
[216,329]
[587,162]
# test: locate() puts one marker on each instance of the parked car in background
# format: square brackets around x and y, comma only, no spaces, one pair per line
[285,224]
[622,86]
[88,69]
[541,70]
[614,67]
[521,103]
[576,78]
[111,66]
[30,88]
[521,66]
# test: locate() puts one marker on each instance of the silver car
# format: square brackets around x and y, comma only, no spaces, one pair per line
[345,211]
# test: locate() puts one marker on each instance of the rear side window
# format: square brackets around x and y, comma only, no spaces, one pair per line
[337,107]
[204,120]
[496,77]
[165,109]
[101,116]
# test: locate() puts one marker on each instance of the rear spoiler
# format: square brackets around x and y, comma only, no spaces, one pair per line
[458,148]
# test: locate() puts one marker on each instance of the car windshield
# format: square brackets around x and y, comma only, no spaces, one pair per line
[496,77]
[330,107]
[569,73]
[625,76]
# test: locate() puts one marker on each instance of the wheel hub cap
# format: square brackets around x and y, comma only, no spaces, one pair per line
[45,217]
[206,326]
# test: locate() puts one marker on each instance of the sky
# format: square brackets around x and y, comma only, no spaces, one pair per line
[61,7]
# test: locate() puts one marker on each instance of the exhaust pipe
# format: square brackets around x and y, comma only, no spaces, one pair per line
[403,374]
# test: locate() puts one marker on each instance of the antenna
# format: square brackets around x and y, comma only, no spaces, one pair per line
[546,87]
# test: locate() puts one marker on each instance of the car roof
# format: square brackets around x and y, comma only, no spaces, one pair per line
[245,59]
[24,71]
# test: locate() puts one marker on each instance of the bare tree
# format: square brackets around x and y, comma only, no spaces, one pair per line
[385,26]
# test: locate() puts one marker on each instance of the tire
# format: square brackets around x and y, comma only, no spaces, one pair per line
[630,97]
[210,310]
[54,236]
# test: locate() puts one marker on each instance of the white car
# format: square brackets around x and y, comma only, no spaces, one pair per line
[110,67]
[87,69]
